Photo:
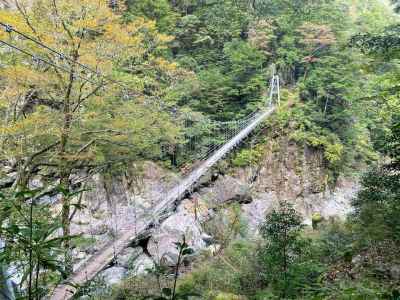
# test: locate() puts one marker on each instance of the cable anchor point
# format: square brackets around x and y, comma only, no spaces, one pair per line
[36,59]
[8,28]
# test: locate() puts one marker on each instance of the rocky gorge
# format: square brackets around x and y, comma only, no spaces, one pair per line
[297,175]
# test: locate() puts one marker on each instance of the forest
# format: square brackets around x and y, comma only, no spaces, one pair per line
[121,97]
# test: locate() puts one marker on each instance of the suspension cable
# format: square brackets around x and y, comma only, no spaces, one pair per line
[8,28]
[40,59]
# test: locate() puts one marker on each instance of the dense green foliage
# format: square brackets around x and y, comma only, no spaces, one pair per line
[378,203]
[309,44]
[187,63]
[338,62]
[31,240]
[284,252]
[292,261]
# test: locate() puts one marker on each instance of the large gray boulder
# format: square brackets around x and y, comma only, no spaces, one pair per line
[113,275]
[142,264]
[254,213]
[128,256]
[228,189]
[162,246]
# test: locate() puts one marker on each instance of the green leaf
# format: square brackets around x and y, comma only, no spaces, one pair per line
[25,194]
[14,229]
[187,251]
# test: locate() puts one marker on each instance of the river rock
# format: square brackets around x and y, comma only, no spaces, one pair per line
[142,264]
[162,244]
[113,275]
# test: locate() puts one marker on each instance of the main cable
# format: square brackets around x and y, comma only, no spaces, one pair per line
[8,28]
[38,58]
[62,56]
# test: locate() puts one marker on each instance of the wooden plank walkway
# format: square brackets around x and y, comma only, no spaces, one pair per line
[100,260]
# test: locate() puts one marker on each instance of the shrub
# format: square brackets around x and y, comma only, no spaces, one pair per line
[236,271]
[288,256]
[248,157]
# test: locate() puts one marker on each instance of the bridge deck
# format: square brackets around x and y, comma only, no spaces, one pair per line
[100,260]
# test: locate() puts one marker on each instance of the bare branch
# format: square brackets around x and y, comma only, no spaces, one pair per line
[23,12]
[86,146]
[63,23]
[90,94]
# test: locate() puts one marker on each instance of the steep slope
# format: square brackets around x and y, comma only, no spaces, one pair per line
[289,172]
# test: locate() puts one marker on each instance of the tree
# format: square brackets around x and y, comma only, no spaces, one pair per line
[385,45]
[167,280]
[285,251]
[28,229]
[62,118]
[377,206]
[156,10]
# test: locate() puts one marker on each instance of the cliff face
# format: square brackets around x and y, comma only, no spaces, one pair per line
[114,203]
[286,171]
[297,174]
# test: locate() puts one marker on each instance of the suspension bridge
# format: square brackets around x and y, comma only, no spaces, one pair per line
[127,235]
[232,134]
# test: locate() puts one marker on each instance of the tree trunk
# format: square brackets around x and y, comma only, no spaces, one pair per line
[65,172]
[65,221]
[285,263]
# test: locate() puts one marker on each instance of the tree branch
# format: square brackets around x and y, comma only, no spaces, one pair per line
[81,100]
[22,11]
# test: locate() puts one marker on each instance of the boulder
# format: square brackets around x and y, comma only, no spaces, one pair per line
[254,213]
[229,189]
[127,257]
[395,272]
[162,246]
[206,179]
[208,239]
[142,264]
[98,230]
[113,275]
[196,207]
[81,255]
[163,249]
[213,249]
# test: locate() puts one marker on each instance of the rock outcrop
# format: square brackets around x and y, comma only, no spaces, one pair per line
[129,257]
[114,203]
[183,223]
[294,174]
